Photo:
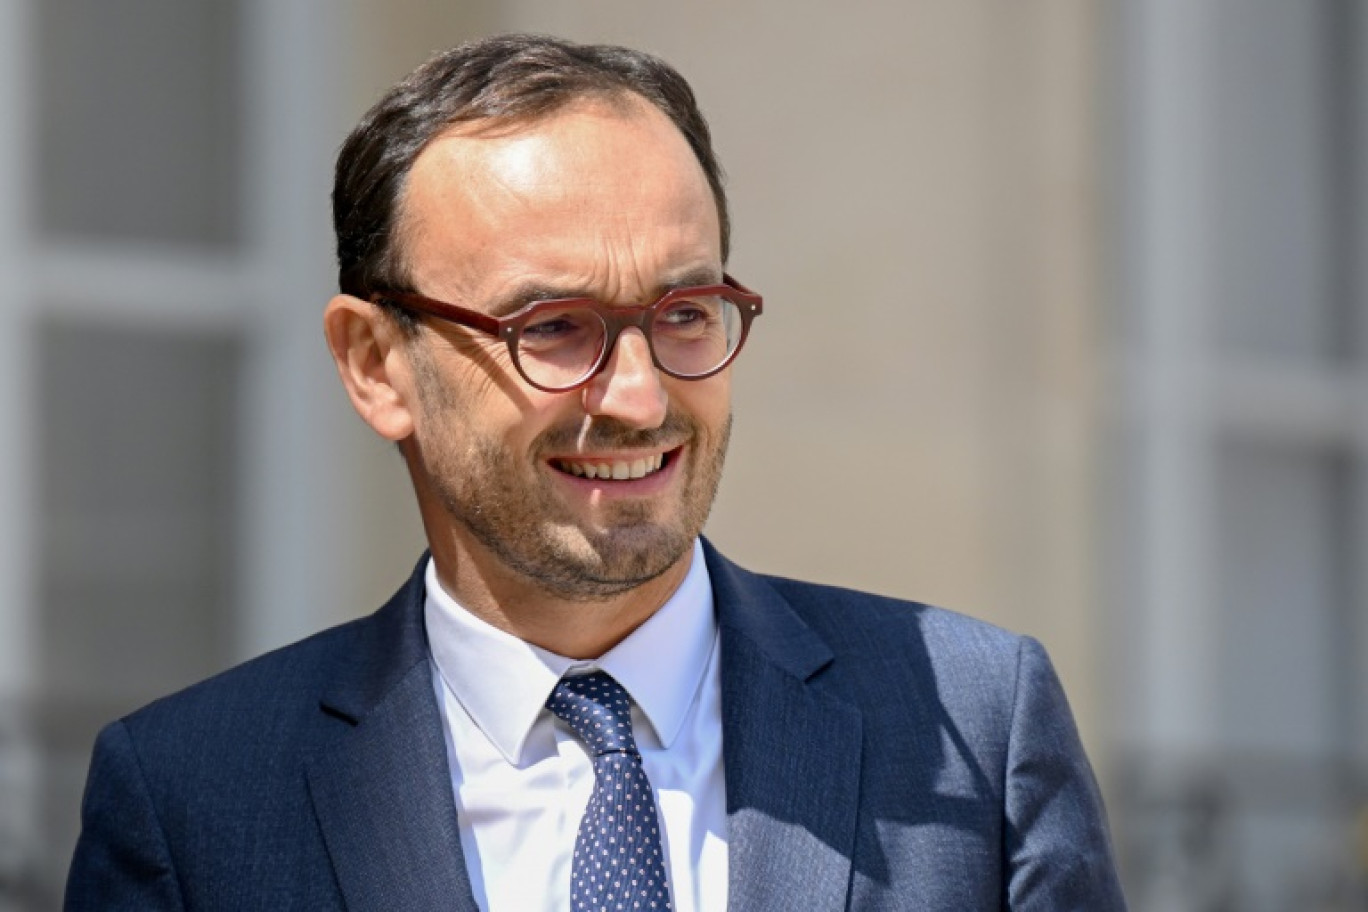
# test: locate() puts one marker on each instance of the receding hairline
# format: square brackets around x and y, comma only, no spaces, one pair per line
[621,101]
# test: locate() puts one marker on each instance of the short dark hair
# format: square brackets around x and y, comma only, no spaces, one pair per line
[509,78]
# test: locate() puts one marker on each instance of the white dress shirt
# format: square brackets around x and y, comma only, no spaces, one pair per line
[522,779]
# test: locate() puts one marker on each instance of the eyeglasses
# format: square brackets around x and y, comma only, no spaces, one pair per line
[560,345]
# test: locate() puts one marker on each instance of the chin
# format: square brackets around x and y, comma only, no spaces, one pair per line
[618,558]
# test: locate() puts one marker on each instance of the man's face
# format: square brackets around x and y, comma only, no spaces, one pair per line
[600,200]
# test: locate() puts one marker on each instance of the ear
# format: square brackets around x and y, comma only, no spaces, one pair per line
[369,351]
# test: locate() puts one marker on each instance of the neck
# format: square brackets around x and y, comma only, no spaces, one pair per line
[574,628]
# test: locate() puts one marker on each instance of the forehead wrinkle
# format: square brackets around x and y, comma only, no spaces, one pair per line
[473,183]
[528,291]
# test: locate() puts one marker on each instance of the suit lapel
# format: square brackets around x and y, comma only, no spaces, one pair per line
[792,753]
[382,791]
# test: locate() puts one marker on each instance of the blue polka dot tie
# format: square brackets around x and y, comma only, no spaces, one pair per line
[618,863]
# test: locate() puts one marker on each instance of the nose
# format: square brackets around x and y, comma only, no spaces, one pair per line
[629,387]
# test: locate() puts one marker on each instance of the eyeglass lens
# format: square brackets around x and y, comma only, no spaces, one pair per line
[689,337]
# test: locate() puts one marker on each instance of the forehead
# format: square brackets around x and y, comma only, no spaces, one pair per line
[590,188]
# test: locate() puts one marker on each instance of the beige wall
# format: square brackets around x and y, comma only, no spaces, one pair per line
[913,192]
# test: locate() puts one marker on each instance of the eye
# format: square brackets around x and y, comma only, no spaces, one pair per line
[685,313]
[561,326]
[549,328]
[693,312]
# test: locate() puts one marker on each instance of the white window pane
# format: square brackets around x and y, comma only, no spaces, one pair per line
[138,539]
[1271,175]
[139,117]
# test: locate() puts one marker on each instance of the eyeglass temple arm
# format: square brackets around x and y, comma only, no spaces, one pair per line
[752,298]
[441,309]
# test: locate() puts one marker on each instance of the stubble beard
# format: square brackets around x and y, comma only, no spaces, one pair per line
[508,504]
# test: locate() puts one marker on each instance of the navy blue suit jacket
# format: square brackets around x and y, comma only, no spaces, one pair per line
[878,754]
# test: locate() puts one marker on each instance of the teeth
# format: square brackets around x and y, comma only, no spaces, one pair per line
[618,471]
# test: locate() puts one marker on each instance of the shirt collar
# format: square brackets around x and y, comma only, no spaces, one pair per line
[503,682]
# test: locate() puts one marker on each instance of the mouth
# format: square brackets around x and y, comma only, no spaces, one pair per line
[606,469]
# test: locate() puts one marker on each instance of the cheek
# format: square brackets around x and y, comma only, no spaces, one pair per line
[708,401]
[515,425]
[467,384]
[474,374]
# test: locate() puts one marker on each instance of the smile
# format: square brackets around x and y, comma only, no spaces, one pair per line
[614,469]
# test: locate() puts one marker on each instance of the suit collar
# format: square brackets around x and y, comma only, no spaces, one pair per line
[382,790]
[388,646]
[749,608]
[792,752]
[502,683]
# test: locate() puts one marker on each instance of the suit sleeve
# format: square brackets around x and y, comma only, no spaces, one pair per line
[122,861]
[1058,851]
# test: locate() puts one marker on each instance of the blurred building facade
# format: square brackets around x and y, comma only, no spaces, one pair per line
[1064,328]
[1237,463]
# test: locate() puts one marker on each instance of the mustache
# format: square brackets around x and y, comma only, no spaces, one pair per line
[612,434]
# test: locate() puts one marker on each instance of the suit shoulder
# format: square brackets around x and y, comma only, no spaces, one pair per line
[267,681]
[287,682]
[865,614]
[911,667]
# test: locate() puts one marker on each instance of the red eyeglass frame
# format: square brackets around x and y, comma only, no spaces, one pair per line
[615,320]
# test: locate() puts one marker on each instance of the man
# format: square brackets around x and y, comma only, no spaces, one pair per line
[575,702]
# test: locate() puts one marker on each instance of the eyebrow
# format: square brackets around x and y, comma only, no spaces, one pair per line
[530,292]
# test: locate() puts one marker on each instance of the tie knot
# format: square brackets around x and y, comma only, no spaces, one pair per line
[598,709]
